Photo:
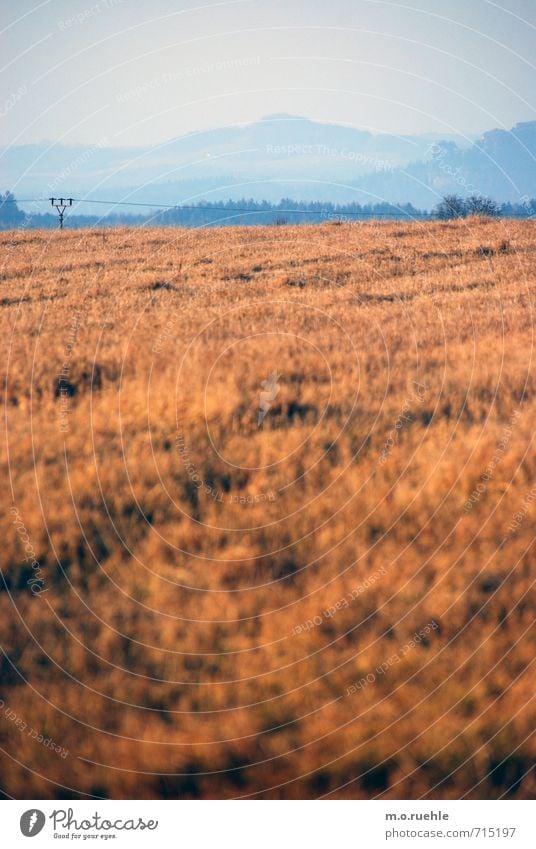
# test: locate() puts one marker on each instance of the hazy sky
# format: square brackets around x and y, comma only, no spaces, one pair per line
[143,71]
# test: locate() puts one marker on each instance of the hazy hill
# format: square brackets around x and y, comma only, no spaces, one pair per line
[281,156]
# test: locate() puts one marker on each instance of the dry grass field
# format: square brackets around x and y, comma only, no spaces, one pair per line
[268,512]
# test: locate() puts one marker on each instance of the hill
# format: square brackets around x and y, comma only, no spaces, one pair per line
[283,156]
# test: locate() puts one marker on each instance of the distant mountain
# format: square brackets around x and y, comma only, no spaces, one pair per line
[281,156]
[502,164]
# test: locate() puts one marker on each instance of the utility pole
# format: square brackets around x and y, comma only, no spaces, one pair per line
[61,205]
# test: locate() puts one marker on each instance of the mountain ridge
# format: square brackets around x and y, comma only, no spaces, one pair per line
[283,156]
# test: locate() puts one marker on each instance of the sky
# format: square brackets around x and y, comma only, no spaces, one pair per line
[139,72]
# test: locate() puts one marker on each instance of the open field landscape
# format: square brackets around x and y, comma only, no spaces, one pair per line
[268,512]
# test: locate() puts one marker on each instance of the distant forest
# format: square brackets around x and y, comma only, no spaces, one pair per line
[206,214]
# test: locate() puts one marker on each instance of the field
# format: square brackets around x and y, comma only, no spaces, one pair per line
[268,513]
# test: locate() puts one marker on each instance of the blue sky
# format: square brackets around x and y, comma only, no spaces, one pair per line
[130,72]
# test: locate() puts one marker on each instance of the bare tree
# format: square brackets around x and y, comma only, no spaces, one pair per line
[452,206]
[479,205]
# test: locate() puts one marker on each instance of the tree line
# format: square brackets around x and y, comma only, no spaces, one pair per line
[287,211]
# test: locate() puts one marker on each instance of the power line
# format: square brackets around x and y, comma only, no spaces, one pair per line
[195,207]
[234,208]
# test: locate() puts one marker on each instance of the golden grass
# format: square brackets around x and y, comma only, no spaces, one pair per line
[183,549]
